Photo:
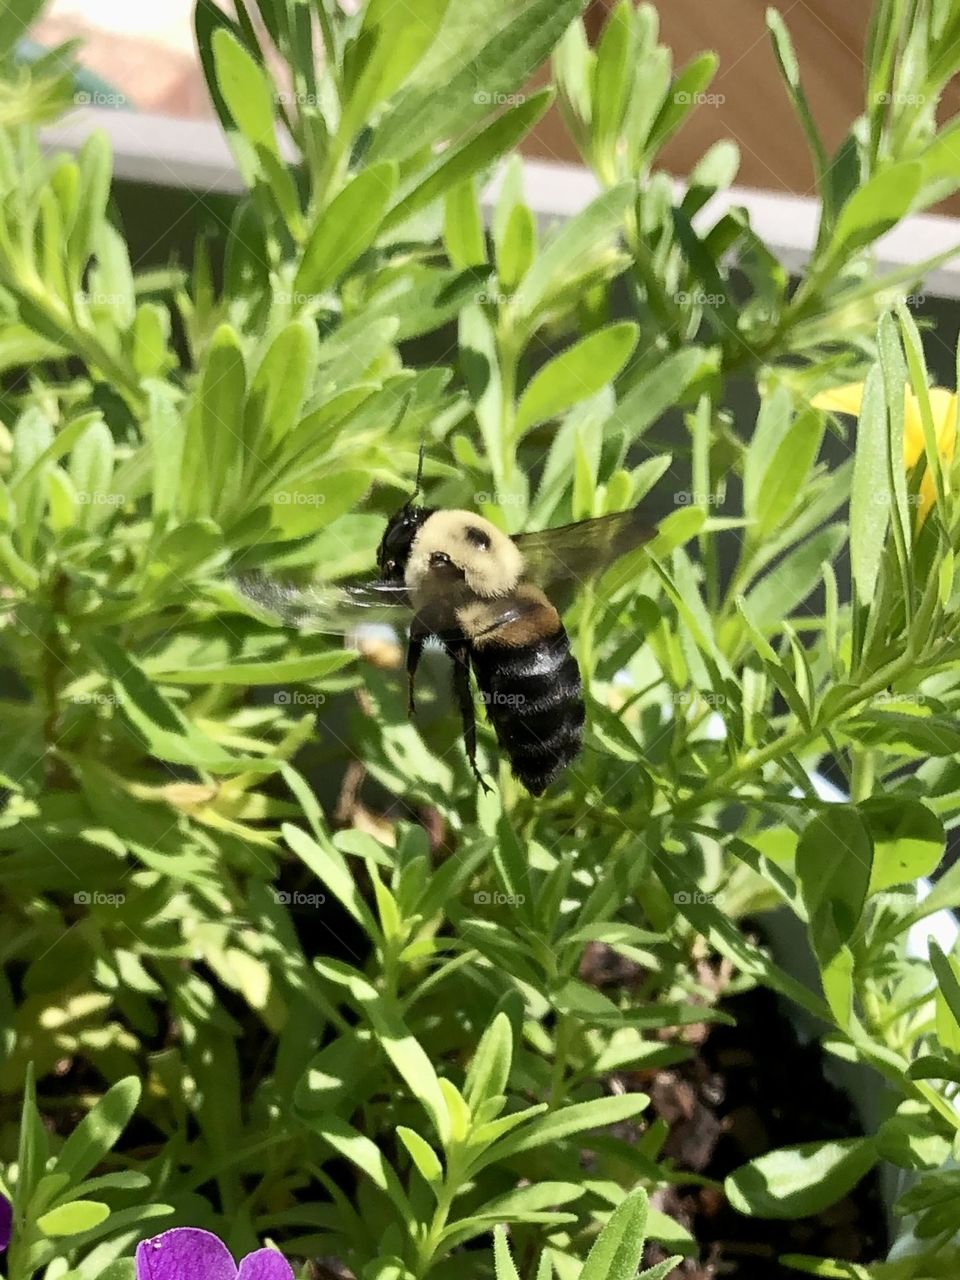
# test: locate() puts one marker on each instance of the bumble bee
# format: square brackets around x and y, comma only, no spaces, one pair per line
[485,596]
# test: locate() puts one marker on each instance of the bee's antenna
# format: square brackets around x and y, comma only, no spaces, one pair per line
[420,474]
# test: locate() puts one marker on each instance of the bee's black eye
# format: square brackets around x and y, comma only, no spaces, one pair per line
[477,537]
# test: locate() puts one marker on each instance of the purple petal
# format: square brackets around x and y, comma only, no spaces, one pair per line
[265,1264]
[6,1222]
[185,1253]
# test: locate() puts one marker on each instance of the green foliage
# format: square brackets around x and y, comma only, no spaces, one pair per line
[260,1000]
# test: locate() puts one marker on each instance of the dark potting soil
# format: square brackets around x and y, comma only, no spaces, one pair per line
[748,1089]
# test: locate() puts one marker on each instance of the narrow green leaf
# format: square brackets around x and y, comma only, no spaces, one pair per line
[576,374]
[346,229]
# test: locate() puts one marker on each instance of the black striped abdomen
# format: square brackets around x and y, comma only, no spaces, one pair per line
[534,700]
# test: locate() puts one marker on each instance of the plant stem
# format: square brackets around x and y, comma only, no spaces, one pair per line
[798,736]
[862,774]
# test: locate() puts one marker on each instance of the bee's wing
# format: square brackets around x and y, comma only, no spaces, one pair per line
[340,610]
[573,553]
[327,610]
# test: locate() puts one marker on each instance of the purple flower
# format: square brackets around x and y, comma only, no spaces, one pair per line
[187,1253]
[6,1222]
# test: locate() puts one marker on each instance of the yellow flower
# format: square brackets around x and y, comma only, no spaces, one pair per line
[943,403]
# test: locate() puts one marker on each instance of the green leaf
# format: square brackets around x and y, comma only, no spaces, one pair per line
[777,594]
[278,390]
[99,1130]
[459,162]
[222,394]
[945,968]
[797,1182]
[834,861]
[790,70]
[463,231]
[518,246]
[164,729]
[681,99]
[470,85]
[908,840]
[16,18]
[576,374]
[785,477]
[74,1218]
[503,1263]
[572,245]
[658,390]
[346,229]
[91,472]
[569,1120]
[422,1155]
[874,208]
[392,41]
[617,1251]
[246,89]
[490,1068]
[305,506]
[283,671]
[870,494]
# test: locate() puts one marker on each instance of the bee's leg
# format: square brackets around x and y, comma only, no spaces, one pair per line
[460,653]
[414,652]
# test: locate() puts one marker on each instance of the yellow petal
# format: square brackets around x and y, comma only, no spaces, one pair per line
[846,399]
[926,498]
[912,430]
[944,405]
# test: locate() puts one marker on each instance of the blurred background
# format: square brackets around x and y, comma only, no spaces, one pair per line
[147,52]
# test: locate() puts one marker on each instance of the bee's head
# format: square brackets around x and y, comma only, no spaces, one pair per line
[394,550]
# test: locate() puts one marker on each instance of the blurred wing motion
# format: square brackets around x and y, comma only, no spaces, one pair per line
[328,610]
[340,610]
[574,553]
